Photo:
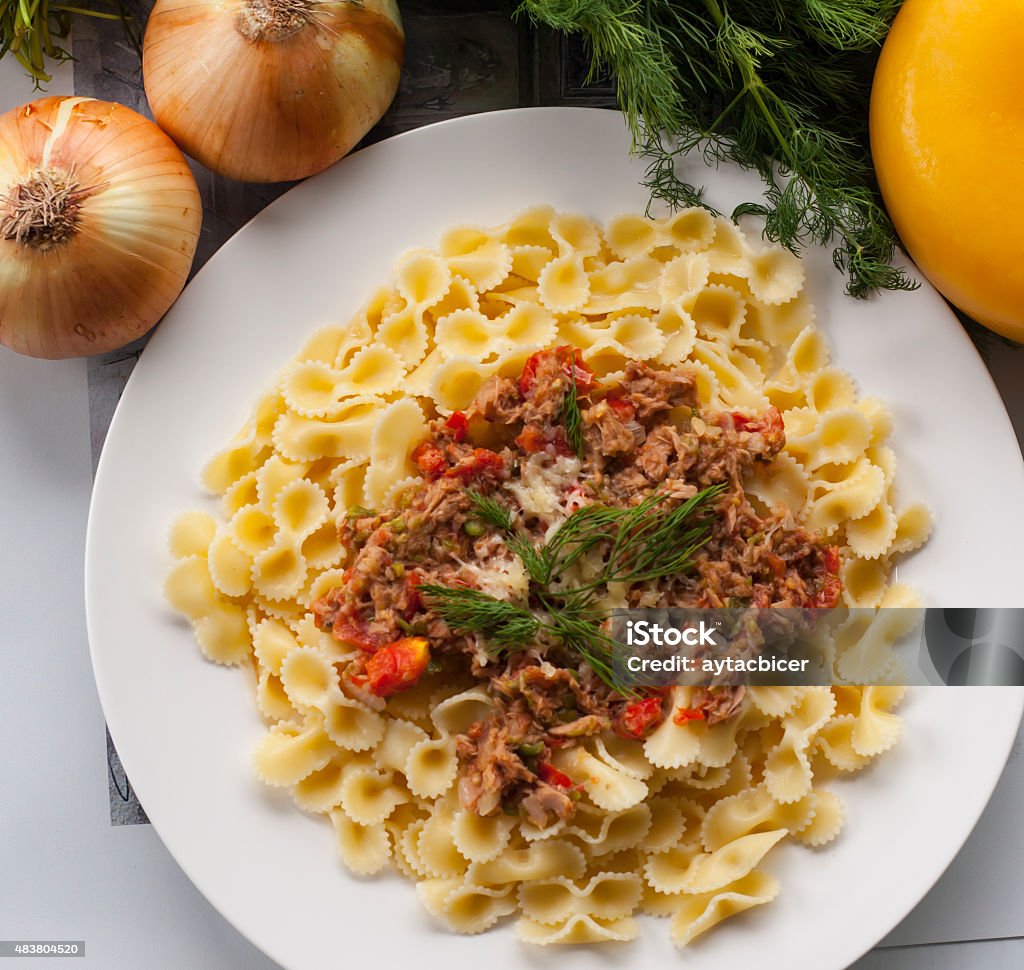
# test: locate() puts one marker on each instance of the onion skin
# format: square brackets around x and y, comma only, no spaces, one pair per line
[129,258]
[270,110]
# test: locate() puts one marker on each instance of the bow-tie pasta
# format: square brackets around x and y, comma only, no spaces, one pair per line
[682,822]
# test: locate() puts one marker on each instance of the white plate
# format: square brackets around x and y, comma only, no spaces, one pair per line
[184,728]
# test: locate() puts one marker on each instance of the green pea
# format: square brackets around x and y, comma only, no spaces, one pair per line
[473,528]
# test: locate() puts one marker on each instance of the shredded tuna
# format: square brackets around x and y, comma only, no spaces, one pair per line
[648,434]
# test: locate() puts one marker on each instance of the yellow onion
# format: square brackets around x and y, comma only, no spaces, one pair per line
[99,220]
[271,90]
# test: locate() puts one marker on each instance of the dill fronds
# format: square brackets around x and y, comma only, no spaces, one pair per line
[645,542]
[572,417]
[781,88]
[473,611]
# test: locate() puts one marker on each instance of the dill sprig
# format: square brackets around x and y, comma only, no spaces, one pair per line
[644,542]
[571,416]
[781,88]
[473,611]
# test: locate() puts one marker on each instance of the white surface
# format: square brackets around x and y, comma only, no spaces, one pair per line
[247,849]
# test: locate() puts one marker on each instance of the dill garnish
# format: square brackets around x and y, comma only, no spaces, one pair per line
[572,417]
[779,88]
[644,542]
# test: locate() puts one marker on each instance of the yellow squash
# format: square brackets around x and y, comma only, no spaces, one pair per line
[947,134]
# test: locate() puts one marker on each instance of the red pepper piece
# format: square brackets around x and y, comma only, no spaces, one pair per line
[549,773]
[396,667]
[429,459]
[685,714]
[457,425]
[639,718]
[572,365]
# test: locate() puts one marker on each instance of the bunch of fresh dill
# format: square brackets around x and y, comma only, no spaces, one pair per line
[780,86]
[641,543]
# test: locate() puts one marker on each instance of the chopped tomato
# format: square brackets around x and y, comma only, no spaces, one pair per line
[572,365]
[769,424]
[639,718]
[429,459]
[481,462]
[828,595]
[396,667]
[623,408]
[532,439]
[549,773]
[685,714]
[458,425]
[354,632]
[413,600]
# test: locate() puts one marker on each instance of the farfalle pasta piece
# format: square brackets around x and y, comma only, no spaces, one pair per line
[469,334]
[485,267]
[578,930]
[431,767]
[606,832]
[309,678]
[827,820]
[913,527]
[423,278]
[684,278]
[271,699]
[232,463]
[608,787]
[564,285]
[690,230]
[624,285]
[436,851]
[223,634]
[838,437]
[466,908]
[781,483]
[680,333]
[667,827]
[289,752]
[871,535]
[849,492]
[350,724]
[712,871]
[605,896]
[365,849]
[299,509]
[480,838]
[831,388]
[242,492]
[280,571]
[787,769]
[400,427]
[345,435]
[321,790]
[540,860]
[230,566]
[369,796]
[866,656]
[456,381]
[698,914]
[775,275]
[631,235]
[718,312]
[191,534]
[877,729]
[752,812]
[253,529]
